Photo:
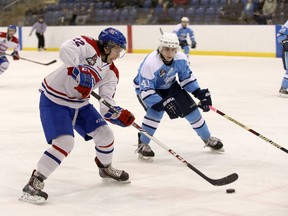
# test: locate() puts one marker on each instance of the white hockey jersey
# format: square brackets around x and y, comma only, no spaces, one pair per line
[6,44]
[59,85]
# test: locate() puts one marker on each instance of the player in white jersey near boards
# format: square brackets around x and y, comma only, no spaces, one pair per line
[64,107]
[282,37]
[8,40]
[163,84]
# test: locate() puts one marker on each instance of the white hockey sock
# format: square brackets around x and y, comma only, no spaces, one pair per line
[52,157]
[104,144]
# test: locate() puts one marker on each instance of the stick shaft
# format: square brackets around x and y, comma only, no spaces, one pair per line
[248,129]
[216,182]
[36,62]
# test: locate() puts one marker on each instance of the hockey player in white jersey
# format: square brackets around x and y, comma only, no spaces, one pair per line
[8,40]
[64,107]
[163,84]
[282,37]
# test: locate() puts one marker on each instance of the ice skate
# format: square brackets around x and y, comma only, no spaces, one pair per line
[144,150]
[214,144]
[110,173]
[283,92]
[32,192]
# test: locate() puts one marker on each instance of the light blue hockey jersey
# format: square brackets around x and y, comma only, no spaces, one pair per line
[182,33]
[283,33]
[154,74]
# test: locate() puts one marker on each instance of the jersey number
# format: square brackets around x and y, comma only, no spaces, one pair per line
[78,42]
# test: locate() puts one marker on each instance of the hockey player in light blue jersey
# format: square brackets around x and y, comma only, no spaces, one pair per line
[282,38]
[182,30]
[163,84]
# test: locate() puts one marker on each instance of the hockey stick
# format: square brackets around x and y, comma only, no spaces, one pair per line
[216,182]
[248,129]
[161,31]
[285,59]
[45,64]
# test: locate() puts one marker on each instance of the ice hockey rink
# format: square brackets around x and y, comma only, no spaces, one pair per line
[245,89]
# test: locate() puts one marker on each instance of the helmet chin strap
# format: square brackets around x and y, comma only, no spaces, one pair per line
[108,48]
[164,60]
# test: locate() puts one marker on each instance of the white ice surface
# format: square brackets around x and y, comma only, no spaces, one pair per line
[245,89]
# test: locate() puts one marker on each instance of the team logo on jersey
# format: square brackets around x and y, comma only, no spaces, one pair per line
[170,71]
[162,72]
[92,60]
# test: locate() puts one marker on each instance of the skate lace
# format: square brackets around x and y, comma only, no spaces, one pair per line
[113,172]
[212,141]
[37,184]
[143,148]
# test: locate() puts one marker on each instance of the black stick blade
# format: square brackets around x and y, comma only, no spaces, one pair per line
[224,181]
[216,182]
[52,62]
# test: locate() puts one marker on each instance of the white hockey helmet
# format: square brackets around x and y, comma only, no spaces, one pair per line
[185,19]
[169,40]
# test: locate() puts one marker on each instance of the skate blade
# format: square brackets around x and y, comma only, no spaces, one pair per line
[222,150]
[283,95]
[145,158]
[32,199]
[111,180]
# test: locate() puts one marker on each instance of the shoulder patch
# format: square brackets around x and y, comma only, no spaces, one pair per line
[14,39]
[92,42]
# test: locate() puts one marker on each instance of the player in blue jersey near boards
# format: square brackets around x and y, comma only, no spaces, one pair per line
[282,38]
[183,31]
[163,84]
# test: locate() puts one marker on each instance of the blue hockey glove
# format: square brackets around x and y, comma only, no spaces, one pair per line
[193,45]
[82,74]
[119,116]
[205,98]
[15,55]
[285,45]
[170,106]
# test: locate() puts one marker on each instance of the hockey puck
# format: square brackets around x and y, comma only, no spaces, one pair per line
[230,190]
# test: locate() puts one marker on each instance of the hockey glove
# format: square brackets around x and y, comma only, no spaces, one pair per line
[119,116]
[205,98]
[15,55]
[82,74]
[285,45]
[170,106]
[193,45]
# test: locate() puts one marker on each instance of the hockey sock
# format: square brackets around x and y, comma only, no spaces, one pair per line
[198,124]
[52,157]
[104,144]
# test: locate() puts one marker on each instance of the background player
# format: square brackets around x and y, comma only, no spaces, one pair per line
[282,38]
[64,106]
[163,84]
[40,28]
[183,31]
[8,40]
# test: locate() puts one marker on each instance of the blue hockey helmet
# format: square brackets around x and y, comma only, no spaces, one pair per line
[113,36]
[12,27]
